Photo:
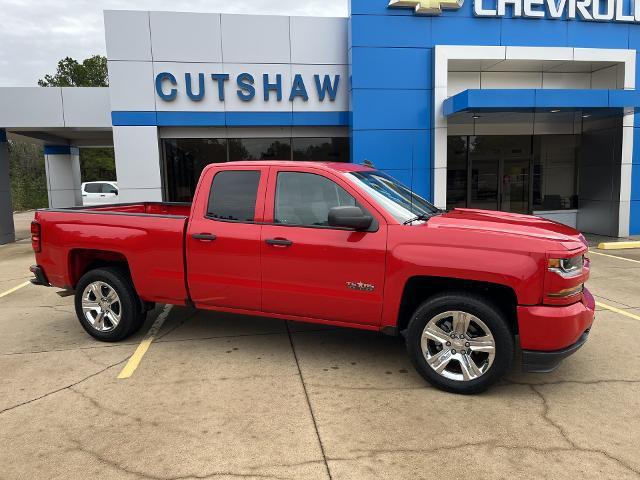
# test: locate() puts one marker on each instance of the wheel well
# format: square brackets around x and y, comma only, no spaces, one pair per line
[82,261]
[418,289]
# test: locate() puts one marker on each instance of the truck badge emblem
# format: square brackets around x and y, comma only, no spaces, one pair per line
[365,287]
[427,7]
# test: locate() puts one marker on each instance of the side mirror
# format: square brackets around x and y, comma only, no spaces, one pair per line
[349,217]
[114,192]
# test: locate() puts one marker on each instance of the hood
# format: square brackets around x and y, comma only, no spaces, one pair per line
[509,224]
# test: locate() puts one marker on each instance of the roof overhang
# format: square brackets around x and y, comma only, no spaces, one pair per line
[508,100]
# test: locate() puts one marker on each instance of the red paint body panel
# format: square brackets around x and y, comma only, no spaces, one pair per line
[152,246]
[552,328]
[307,281]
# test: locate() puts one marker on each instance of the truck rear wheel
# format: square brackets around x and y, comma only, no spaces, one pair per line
[107,305]
[460,343]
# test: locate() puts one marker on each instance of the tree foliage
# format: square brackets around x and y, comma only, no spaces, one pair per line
[27,174]
[26,160]
[92,72]
[97,164]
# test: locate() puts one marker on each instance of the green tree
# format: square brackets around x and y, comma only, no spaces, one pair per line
[27,174]
[26,160]
[97,164]
[92,72]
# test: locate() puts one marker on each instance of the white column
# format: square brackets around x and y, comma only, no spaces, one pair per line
[7,231]
[62,164]
[137,164]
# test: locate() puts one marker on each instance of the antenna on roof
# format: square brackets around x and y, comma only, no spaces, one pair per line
[368,163]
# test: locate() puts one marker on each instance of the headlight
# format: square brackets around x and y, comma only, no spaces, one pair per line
[567,267]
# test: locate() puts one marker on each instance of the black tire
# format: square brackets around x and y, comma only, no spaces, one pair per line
[130,308]
[483,310]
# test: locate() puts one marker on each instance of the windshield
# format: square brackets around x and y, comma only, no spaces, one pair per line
[393,196]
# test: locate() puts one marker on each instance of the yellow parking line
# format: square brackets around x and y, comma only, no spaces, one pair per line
[615,256]
[14,289]
[617,310]
[136,358]
[618,245]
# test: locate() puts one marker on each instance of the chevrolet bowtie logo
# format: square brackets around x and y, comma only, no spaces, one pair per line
[427,7]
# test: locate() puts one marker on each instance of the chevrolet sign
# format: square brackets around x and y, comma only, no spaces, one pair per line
[591,10]
[427,7]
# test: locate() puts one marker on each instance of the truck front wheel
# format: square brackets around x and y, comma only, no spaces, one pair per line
[107,305]
[460,343]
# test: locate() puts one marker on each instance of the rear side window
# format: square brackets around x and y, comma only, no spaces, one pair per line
[233,195]
[93,188]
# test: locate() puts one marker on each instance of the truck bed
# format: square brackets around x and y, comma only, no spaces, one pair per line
[146,237]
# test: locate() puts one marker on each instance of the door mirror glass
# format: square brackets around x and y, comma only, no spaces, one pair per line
[349,217]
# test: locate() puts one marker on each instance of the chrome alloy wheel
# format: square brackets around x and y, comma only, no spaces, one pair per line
[101,306]
[458,345]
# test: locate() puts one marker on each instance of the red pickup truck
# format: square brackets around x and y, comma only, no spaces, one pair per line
[336,244]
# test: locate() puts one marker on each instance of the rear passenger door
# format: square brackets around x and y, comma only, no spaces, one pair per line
[223,239]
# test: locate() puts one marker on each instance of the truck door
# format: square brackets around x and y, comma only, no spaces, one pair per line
[310,269]
[223,238]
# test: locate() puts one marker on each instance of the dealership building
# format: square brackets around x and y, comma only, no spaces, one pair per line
[524,106]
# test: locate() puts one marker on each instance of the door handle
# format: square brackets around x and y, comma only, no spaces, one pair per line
[203,236]
[279,242]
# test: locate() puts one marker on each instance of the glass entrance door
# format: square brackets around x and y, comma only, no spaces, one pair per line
[499,175]
[514,194]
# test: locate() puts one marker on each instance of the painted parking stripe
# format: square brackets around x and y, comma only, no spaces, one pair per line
[615,256]
[14,289]
[136,358]
[617,310]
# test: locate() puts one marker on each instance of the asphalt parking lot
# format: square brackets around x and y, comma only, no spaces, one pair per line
[220,396]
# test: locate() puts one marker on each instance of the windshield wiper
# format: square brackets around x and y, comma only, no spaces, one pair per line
[422,217]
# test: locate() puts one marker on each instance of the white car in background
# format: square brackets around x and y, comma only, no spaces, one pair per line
[99,193]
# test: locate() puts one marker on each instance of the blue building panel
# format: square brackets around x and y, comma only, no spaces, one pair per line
[634,220]
[597,34]
[392,149]
[390,31]
[392,121]
[635,181]
[375,109]
[421,183]
[456,30]
[534,32]
[389,68]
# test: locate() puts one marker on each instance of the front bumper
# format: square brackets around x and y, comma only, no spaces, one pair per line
[549,333]
[535,361]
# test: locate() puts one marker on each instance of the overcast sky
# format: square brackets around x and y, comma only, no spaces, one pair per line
[35,34]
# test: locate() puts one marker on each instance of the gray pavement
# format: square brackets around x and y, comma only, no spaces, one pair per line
[222,396]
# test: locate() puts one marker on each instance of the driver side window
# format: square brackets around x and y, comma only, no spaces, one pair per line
[305,199]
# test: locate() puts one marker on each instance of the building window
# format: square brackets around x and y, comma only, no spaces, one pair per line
[259,149]
[321,149]
[512,173]
[457,171]
[185,158]
[555,172]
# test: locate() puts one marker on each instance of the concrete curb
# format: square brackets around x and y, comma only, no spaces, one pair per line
[618,245]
